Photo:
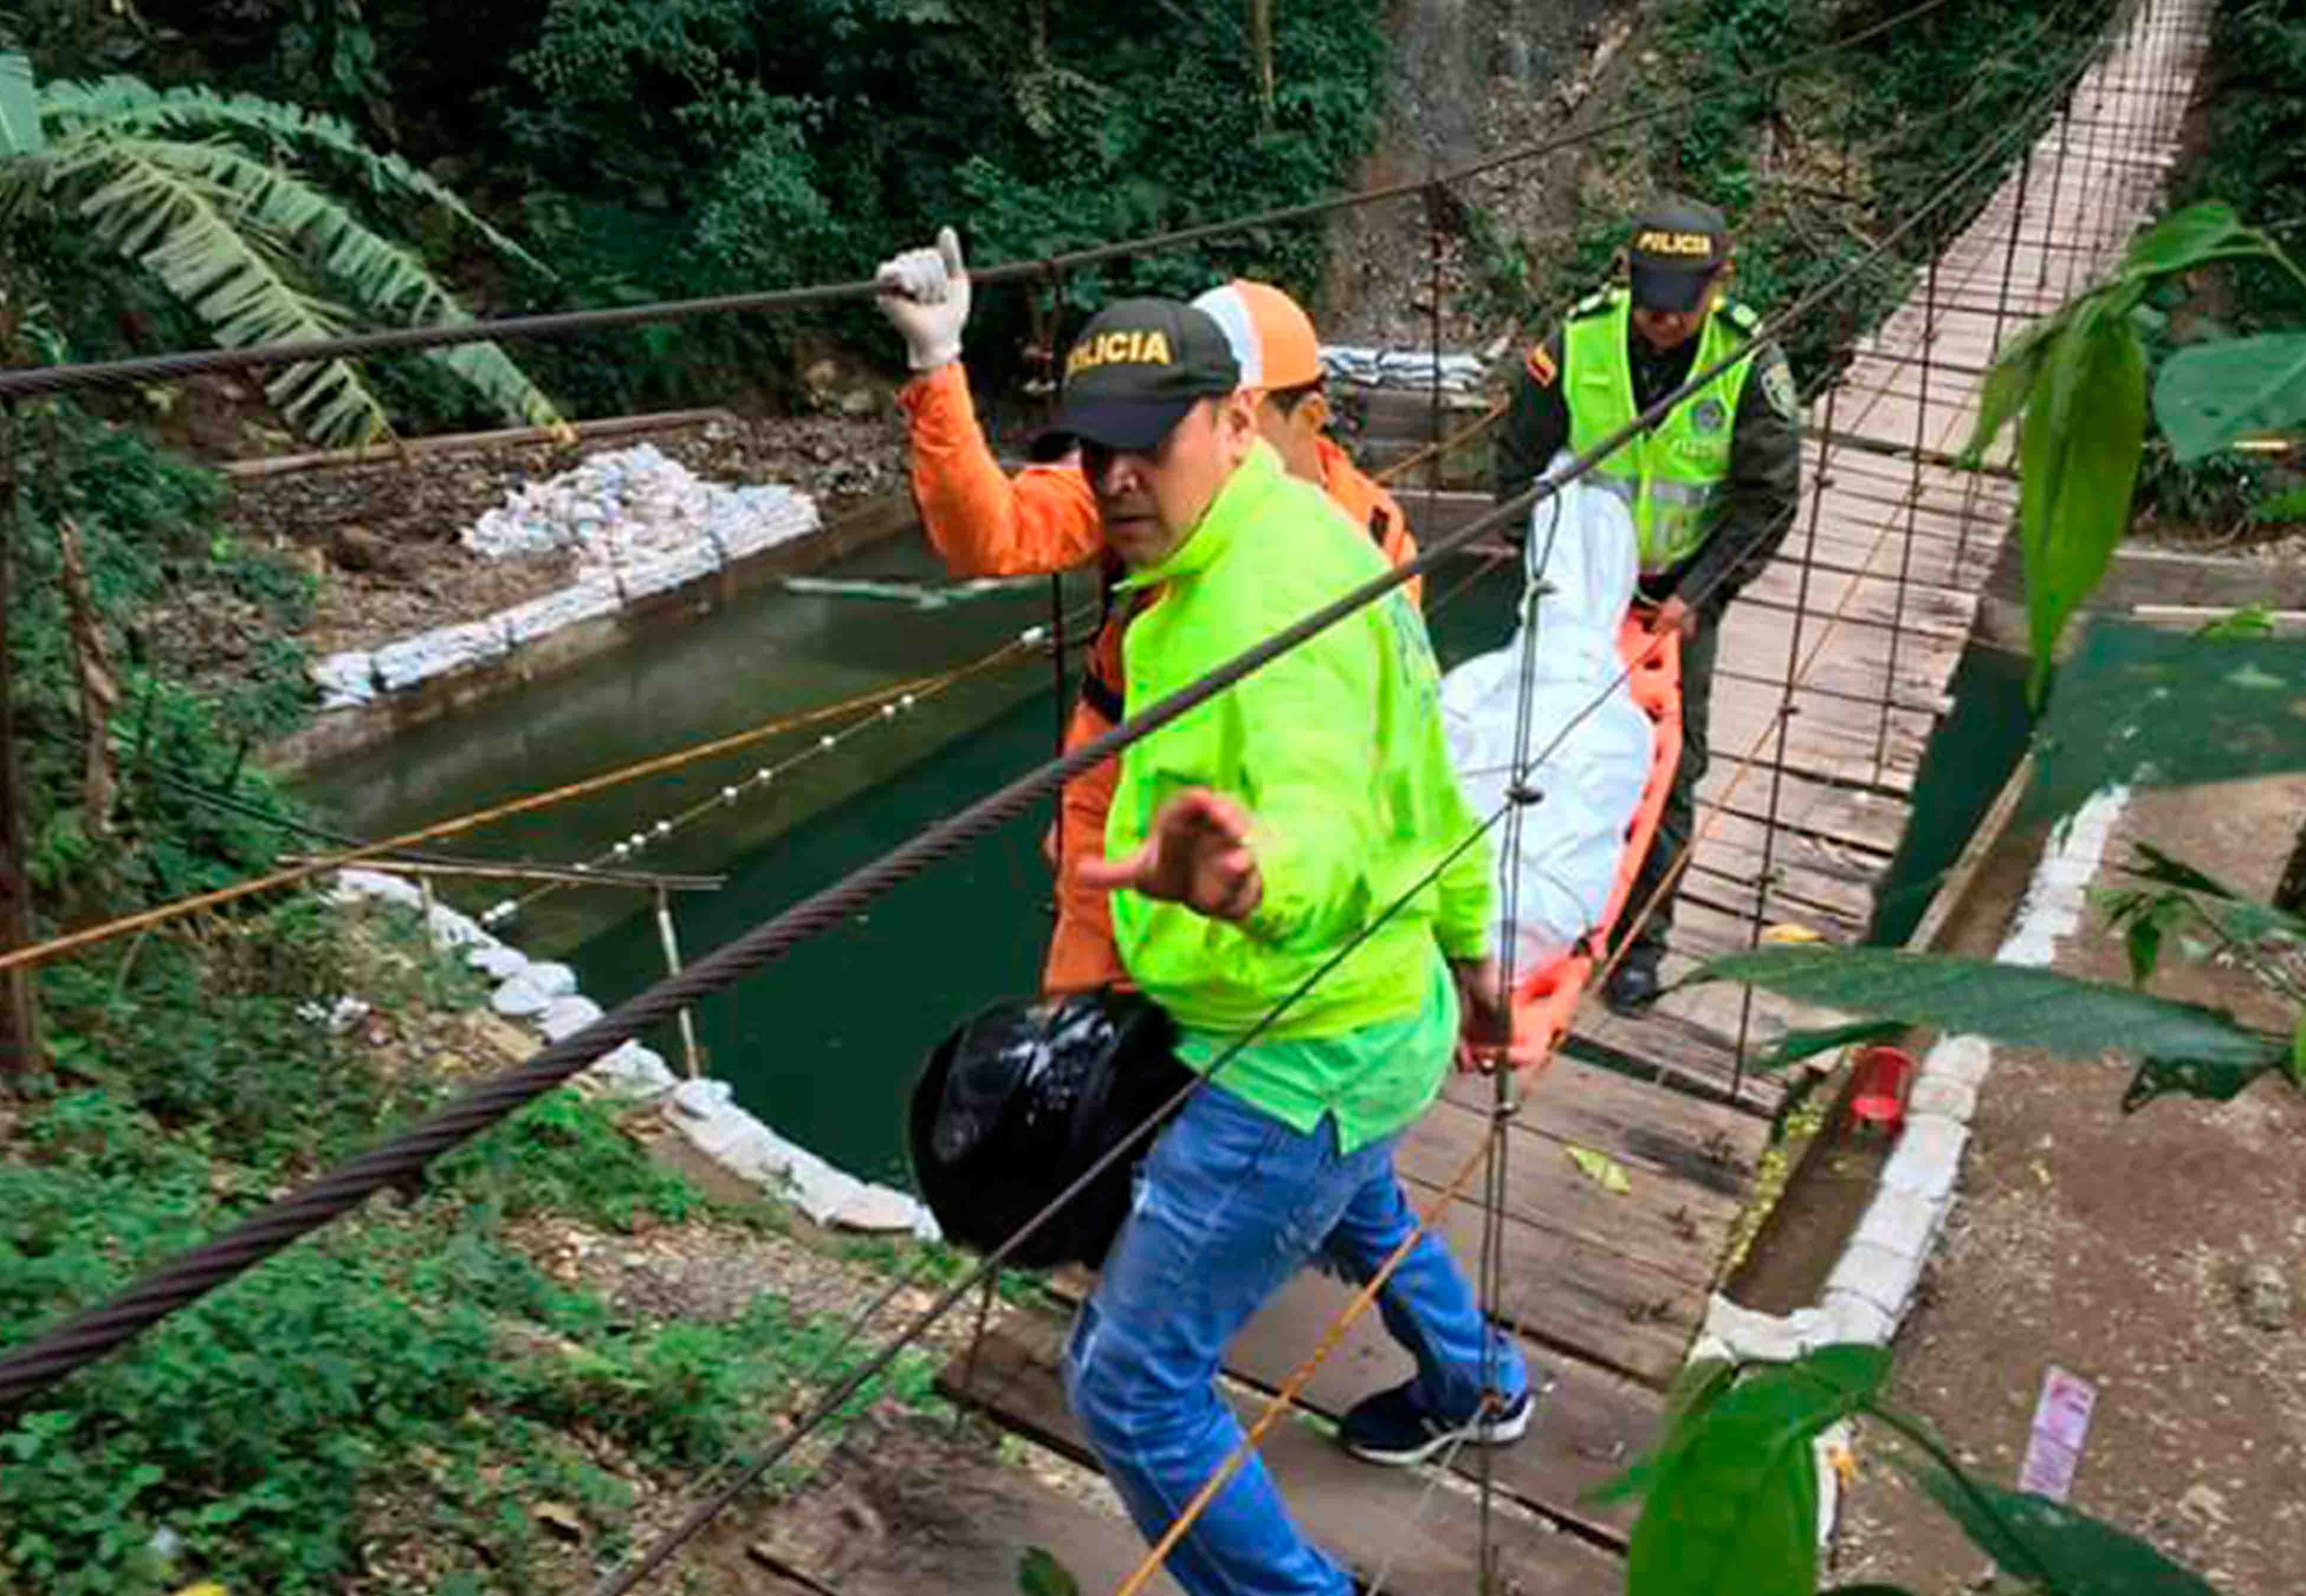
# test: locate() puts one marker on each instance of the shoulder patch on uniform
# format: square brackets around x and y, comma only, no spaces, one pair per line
[1778,387]
[1540,364]
[1741,317]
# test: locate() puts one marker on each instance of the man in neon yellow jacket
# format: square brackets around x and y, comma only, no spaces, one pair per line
[1295,848]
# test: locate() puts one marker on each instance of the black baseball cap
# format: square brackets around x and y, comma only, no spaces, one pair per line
[1135,371]
[1677,246]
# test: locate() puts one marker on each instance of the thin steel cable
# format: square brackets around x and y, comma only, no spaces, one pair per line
[91,1334]
[143,369]
[55,947]
[766,776]
[1519,796]
[1360,1303]
[625,1579]
[704,1514]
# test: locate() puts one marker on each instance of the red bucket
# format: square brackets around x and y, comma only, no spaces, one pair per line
[1878,1098]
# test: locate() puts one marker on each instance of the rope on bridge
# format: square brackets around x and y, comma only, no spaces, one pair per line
[33,1367]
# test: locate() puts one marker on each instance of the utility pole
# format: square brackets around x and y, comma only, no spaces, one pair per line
[20,1030]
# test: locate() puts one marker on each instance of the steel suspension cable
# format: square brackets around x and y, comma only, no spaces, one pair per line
[40,380]
[93,1333]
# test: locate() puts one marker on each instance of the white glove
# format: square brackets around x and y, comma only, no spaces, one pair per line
[925,296]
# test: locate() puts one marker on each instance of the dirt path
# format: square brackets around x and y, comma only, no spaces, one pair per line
[2160,1255]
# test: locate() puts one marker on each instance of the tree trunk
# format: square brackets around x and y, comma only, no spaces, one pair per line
[20,1035]
[1261,46]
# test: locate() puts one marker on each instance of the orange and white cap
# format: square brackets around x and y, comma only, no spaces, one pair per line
[1272,337]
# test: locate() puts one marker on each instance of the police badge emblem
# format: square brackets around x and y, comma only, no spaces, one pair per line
[1777,389]
[1709,415]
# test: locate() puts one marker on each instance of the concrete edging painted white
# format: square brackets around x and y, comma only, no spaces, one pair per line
[1872,1286]
[544,994]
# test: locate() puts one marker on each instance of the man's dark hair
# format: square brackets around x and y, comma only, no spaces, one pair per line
[1286,400]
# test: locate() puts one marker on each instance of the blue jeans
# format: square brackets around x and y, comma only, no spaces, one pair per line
[1229,1204]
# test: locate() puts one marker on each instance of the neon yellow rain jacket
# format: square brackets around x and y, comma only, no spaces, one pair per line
[1335,748]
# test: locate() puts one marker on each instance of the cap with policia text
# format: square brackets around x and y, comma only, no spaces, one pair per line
[1135,371]
[1678,245]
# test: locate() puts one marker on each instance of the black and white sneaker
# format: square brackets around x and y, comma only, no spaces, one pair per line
[1393,1428]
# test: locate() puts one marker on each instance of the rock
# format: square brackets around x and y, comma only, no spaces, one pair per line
[2205,1505]
[2266,1297]
[357,549]
[876,1210]
[861,402]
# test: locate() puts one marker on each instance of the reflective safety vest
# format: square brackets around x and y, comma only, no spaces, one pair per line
[1675,477]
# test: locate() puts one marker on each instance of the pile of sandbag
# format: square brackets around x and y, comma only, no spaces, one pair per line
[638,522]
[626,509]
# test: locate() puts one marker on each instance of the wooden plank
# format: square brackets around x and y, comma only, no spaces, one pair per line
[1834,738]
[1590,1425]
[1640,1125]
[1836,816]
[1864,600]
[1372,1519]
[916,1511]
[1756,640]
[1674,1226]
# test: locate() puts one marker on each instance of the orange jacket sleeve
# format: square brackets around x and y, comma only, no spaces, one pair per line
[1360,496]
[982,523]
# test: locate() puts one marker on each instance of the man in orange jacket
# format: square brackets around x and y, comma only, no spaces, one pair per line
[984,523]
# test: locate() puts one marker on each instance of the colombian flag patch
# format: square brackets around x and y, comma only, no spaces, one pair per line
[1540,365]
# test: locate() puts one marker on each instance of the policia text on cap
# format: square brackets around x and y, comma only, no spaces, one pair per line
[1713,487]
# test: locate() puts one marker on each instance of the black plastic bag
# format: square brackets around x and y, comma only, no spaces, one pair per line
[1020,1100]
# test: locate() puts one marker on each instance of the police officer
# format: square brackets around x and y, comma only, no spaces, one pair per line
[1712,486]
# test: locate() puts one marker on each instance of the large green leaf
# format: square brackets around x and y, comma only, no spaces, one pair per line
[205,218]
[1039,1574]
[2244,919]
[2078,449]
[2192,237]
[2213,1081]
[1730,1508]
[125,108]
[1796,1045]
[2011,1003]
[193,234]
[2004,393]
[2208,394]
[2053,1547]
[2140,706]
[20,107]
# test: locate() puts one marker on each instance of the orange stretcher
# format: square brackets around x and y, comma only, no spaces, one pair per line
[1546,1001]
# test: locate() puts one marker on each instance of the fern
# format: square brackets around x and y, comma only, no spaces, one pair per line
[254,246]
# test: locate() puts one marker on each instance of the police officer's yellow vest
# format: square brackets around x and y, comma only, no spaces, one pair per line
[1674,478]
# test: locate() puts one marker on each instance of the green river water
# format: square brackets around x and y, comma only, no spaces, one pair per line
[823,1043]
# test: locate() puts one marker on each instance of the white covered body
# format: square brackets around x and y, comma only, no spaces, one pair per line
[1571,841]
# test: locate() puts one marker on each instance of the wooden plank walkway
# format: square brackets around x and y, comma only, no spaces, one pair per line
[1879,581]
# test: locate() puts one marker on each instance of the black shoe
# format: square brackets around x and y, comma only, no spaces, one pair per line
[1393,1428]
[1634,985]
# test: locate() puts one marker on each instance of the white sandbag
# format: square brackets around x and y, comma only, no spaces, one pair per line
[345,679]
[439,651]
[587,600]
[1591,780]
